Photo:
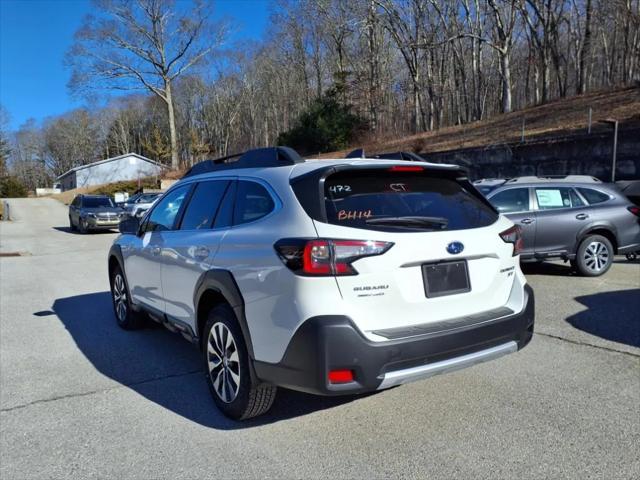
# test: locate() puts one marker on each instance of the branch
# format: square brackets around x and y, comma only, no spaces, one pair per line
[457,37]
[128,71]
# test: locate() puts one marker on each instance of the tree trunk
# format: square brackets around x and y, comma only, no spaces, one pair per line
[585,50]
[546,75]
[505,71]
[175,162]
[416,105]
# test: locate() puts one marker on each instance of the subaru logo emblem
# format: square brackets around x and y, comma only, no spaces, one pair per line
[455,247]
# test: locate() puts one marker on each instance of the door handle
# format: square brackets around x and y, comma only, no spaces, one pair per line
[155,251]
[202,252]
[582,216]
[527,221]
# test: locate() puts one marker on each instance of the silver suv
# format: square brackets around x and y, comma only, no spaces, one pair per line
[576,218]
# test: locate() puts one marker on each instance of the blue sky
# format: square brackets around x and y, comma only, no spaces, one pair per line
[35,34]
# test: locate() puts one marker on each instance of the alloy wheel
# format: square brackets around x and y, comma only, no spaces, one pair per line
[596,256]
[120,297]
[224,362]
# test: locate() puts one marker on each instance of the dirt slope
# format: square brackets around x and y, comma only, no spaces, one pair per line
[557,118]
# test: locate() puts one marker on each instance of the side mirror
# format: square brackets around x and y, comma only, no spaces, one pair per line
[129,226]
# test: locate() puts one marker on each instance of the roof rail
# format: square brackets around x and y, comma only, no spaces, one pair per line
[359,153]
[255,158]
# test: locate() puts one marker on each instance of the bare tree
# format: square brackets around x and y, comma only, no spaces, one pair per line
[504,22]
[69,141]
[28,158]
[405,21]
[585,50]
[5,149]
[146,44]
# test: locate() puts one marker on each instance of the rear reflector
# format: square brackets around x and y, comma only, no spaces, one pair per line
[635,210]
[406,168]
[513,235]
[340,376]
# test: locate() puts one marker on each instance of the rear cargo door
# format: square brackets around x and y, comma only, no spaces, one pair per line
[447,260]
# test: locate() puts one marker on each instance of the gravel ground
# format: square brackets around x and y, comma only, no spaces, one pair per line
[81,398]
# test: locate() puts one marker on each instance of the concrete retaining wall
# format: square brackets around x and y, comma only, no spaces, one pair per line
[577,154]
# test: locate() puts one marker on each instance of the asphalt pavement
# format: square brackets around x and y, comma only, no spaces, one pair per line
[81,398]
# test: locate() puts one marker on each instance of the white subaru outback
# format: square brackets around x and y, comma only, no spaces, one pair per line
[330,276]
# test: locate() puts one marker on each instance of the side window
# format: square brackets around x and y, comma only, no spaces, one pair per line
[224,217]
[576,201]
[203,205]
[164,214]
[550,198]
[252,202]
[593,196]
[512,200]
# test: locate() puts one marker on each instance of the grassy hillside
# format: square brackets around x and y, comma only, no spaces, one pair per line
[557,118]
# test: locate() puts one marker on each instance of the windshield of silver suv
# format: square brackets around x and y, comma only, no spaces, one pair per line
[97,202]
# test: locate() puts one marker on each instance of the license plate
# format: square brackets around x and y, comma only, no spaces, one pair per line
[445,278]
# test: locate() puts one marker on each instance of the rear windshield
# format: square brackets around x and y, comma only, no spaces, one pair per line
[410,202]
[94,202]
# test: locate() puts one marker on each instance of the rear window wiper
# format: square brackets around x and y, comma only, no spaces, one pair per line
[410,221]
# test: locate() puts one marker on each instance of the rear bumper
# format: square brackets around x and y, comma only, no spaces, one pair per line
[329,343]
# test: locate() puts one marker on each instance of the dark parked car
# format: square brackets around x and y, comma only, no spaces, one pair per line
[94,212]
[575,218]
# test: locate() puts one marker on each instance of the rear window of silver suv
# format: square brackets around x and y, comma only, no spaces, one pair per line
[593,196]
[402,201]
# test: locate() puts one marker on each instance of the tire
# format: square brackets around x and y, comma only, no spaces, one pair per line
[126,317]
[227,369]
[82,226]
[594,256]
[72,227]
[631,256]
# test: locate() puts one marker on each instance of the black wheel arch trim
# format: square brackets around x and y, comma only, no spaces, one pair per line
[223,282]
[116,252]
[594,227]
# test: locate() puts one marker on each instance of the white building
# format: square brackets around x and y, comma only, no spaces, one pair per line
[130,166]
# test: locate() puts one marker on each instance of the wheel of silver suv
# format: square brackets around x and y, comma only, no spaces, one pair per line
[224,362]
[120,297]
[121,300]
[594,256]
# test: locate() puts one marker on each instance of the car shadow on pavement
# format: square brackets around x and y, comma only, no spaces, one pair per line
[546,268]
[610,315]
[162,366]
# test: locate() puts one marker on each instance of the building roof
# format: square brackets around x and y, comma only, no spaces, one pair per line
[88,165]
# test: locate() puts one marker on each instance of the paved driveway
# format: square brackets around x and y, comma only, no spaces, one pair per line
[81,398]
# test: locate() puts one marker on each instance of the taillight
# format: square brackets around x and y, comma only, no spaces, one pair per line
[325,257]
[635,210]
[513,235]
